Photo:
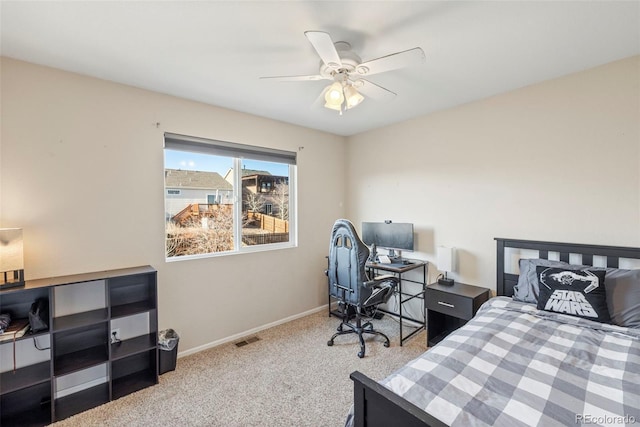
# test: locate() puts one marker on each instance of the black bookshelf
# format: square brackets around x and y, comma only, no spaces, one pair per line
[78,345]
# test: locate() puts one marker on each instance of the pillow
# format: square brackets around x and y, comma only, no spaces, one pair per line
[527,288]
[623,296]
[578,293]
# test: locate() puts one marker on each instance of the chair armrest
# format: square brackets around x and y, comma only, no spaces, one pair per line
[380,280]
[369,284]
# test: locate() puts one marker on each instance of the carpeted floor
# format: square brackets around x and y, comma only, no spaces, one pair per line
[290,377]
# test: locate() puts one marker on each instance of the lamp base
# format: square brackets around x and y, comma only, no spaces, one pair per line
[11,279]
[446,282]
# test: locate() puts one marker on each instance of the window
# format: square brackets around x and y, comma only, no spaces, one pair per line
[219,207]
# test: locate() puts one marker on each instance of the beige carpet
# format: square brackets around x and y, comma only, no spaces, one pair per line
[290,377]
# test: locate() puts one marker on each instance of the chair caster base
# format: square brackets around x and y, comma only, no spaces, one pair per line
[360,331]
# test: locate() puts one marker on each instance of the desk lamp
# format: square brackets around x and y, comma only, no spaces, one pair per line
[446,262]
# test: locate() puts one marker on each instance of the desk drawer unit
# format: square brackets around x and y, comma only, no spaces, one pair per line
[450,304]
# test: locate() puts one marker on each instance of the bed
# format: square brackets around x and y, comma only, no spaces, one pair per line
[521,363]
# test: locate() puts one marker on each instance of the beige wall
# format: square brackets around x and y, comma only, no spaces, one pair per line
[82,172]
[554,161]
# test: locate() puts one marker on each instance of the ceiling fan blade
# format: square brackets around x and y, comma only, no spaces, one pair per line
[295,78]
[372,90]
[323,44]
[394,61]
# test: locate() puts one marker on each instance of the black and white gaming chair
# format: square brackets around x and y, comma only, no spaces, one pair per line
[349,283]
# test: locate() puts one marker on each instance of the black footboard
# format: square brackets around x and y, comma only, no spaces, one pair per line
[377,406]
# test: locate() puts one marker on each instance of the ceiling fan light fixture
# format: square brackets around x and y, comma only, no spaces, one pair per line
[353,97]
[333,106]
[334,94]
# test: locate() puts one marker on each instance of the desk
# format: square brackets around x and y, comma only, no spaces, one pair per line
[398,269]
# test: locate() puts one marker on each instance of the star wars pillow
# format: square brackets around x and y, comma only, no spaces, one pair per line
[575,292]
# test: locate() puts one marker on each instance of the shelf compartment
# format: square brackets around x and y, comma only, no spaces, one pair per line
[131,309]
[28,335]
[80,348]
[132,294]
[75,403]
[18,304]
[30,406]
[25,377]
[134,373]
[132,383]
[81,359]
[79,320]
[133,346]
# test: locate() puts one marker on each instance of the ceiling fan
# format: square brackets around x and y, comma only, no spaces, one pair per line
[347,71]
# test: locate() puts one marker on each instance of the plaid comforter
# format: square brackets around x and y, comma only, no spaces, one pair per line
[513,365]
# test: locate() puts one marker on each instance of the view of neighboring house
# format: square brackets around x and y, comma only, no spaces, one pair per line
[263,192]
[199,210]
[187,187]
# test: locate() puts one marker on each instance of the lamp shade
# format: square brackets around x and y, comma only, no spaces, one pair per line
[334,94]
[11,257]
[353,96]
[446,258]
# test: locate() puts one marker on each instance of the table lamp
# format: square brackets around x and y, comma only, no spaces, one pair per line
[11,258]
[446,263]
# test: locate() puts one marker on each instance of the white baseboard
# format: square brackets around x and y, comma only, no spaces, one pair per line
[236,337]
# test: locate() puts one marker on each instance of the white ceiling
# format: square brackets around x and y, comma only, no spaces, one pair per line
[215,51]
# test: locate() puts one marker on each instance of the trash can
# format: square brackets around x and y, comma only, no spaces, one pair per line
[168,344]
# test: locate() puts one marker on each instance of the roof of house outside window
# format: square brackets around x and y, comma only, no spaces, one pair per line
[178,178]
[247,172]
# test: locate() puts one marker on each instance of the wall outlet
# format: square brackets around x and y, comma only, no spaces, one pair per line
[115,335]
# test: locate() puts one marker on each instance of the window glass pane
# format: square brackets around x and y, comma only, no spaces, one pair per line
[199,203]
[222,197]
[265,202]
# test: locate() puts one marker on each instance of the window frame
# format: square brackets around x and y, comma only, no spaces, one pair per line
[242,152]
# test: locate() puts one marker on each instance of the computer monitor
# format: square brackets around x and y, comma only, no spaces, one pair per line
[389,235]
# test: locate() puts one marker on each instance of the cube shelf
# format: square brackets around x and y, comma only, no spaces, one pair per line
[80,343]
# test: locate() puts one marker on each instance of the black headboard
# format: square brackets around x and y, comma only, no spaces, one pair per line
[506,281]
